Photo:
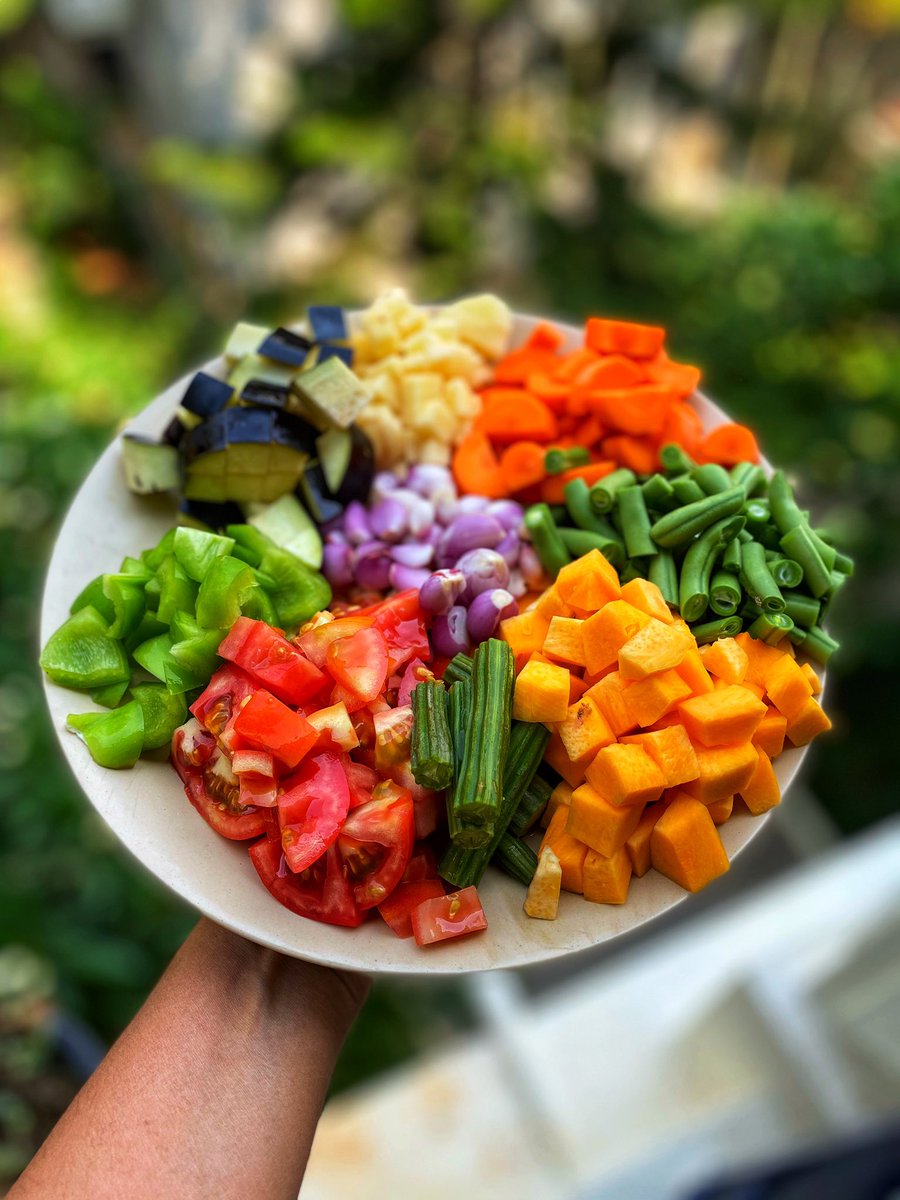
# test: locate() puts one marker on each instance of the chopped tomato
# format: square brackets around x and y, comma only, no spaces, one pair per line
[220,807]
[400,620]
[359,663]
[315,642]
[334,727]
[321,892]
[427,805]
[220,702]
[362,780]
[422,864]
[267,724]
[449,916]
[192,748]
[415,672]
[393,731]
[350,700]
[312,808]
[398,908]
[271,659]
[376,842]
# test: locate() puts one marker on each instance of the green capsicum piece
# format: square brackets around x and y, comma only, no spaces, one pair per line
[162,711]
[126,595]
[177,590]
[82,655]
[114,739]
[197,550]
[222,592]
[152,655]
[111,695]
[298,593]
[93,595]
[166,545]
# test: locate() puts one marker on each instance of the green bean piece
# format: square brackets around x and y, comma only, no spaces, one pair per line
[696,570]
[658,492]
[749,476]
[556,461]
[837,581]
[711,631]
[818,644]
[757,580]
[745,536]
[675,459]
[687,491]
[683,524]
[724,593]
[459,711]
[731,559]
[663,572]
[711,478]
[583,513]
[844,563]
[788,515]
[802,609]
[580,541]
[798,543]
[559,513]
[785,571]
[635,522]
[603,493]
[548,545]
[459,667]
[771,627]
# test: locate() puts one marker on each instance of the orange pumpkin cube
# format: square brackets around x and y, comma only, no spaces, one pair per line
[606,880]
[609,696]
[638,844]
[760,657]
[727,660]
[585,730]
[541,693]
[648,598]
[561,795]
[570,852]
[770,733]
[593,820]
[727,715]
[524,634]
[588,583]
[556,757]
[607,631]
[787,687]
[721,810]
[655,647]
[693,671]
[685,845]
[672,751]
[724,770]
[809,722]
[814,681]
[564,641]
[762,791]
[550,604]
[646,700]
[625,775]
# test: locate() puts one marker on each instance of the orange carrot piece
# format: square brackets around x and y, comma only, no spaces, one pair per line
[589,432]
[475,467]
[554,393]
[522,464]
[637,411]
[554,486]
[569,366]
[612,371]
[544,336]
[512,416]
[683,426]
[519,364]
[729,445]
[638,454]
[623,337]
[681,378]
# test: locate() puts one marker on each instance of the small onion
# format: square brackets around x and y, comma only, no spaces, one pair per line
[471,504]
[530,566]
[445,501]
[412,554]
[337,565]
[441,590]
[507,512]
[508,548]
[419,511]
[448,632]
[428,478]
[356,523]
[517,585]
[334,537]
[483,569]
[486,612]
[383,484]
[469,532]
[401,577]
[388,519]
[373,567]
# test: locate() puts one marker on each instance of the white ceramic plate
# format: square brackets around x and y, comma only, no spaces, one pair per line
[147,810]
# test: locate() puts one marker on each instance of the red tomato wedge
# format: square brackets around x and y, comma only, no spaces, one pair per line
[312,808]
[267,724]
[216,706]
[376,842]
[400,621]
[321,892]
[449,916]
[225,815]
[359,663]
[271,659]
[362,780]
[398,908]
[315,642]
[422,864]
[192,748]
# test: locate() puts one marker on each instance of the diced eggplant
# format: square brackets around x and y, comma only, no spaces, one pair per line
[357,481]
[327,322]
[254,366]
[246,454]
[206,395]
[174,432]
[266,395]
[284,346]
[317,496]
[329,350]
[332,393]
[150,466]
[206,515]
[334,448]
[289,526]
[244,339]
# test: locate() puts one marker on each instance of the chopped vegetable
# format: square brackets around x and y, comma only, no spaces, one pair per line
[542,898]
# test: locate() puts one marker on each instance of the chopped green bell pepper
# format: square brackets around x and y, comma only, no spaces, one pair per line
[222,592]
[126,594]
[82,655]
[177,591]
[110,696]
[166,545]
[162,710]
[115,739]
[152,655]
[197,550]
[299,591]
[94,596]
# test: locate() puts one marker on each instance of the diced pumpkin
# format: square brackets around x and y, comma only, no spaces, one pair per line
[589,582]
[606,880]
[722,717]
[724,770]
[721,810]
[561,795]
[577,687]
[646,700]
[809,722]
[760,657]
[607,631]
[686,847]
[753,688]
[654,648]
[542,897]
[726,660]
[638,844]
[672,751]
[625,775]
[593,820]
[585,730]
[692,670]
[787,687]
[541,693]
[524,634]
[647,597]
[770,733]
[568,850]
[564,641]
[551,604]
[762,792]
[556,757]
[609,696]
[814,681]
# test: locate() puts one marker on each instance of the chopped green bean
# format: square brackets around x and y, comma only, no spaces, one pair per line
[724,593]
[711,631]
[658,492]
[771,627]
[798,543]
[802,609]
[662,571]
[711,478]
[583,513]
[788,516]
[603,493]
[687,491]
[635,522]
[675,459]
[556,461]
[785,571]
[559,513]
[683,524]
[758,581]
[749,476]
[629,571]
[580,541]
[731,559]
[843,563]
[548,545]
[818,645]
[696,570]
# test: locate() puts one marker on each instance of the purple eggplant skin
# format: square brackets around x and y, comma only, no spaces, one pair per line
[216,516]
[284,346]
[257,426]
[313,492]
[206,395]
[357,483]
[173,434]
[262,394]
[327,322]
[344,353]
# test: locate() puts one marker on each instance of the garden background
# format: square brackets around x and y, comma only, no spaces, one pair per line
[731,171]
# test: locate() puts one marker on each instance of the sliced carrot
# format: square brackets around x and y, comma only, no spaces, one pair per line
[589,432]
[637,411]
[638,454]
[475,467]
[522,464]
[612,371]
[554,393]
[510,416]
[554,486]
[683,426]
[519,364]
[681,378]
[570,365]
[729,445]
[544,336]
[623,337]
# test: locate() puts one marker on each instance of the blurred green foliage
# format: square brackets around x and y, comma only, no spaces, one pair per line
[430,151]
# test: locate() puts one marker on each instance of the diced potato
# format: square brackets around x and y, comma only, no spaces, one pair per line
[542,898]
